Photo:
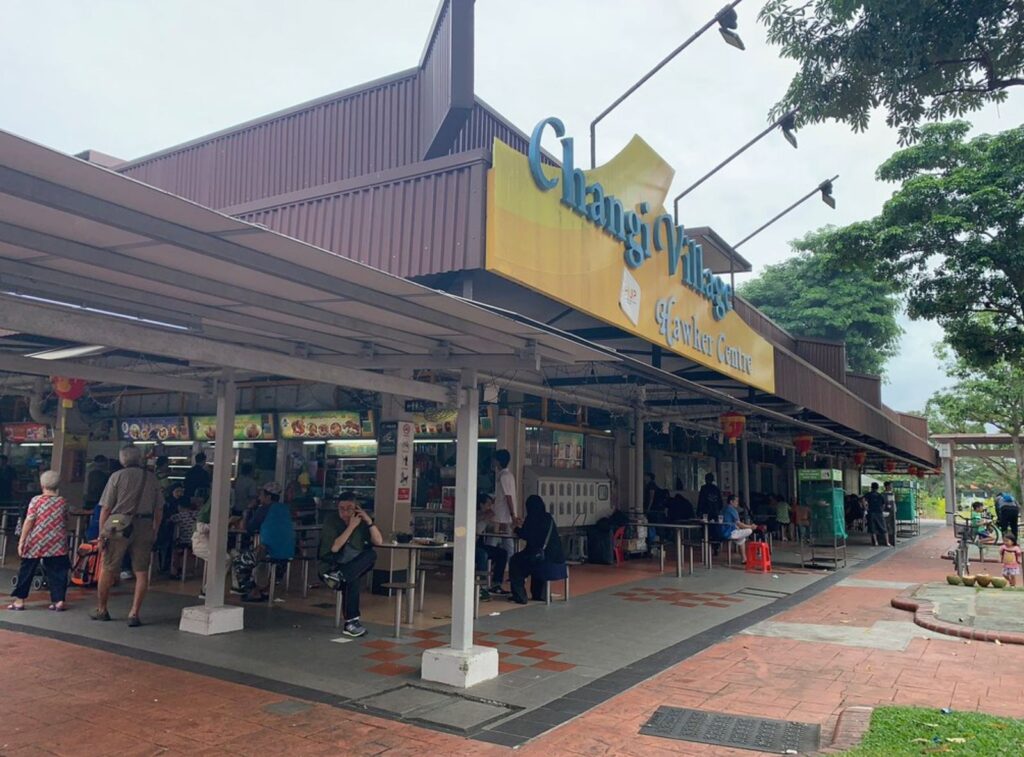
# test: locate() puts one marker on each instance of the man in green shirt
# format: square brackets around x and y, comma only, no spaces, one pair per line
[346,555]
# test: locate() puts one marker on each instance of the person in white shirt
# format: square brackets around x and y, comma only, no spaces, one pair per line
[506,503]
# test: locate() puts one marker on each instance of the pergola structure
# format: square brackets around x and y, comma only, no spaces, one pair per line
[952,446]
[100,264]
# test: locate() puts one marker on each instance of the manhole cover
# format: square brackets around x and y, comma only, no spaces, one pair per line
[451,712]
[759,734]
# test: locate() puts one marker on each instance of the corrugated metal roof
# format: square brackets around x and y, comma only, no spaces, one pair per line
[198,276]
[428,222]
[825,355]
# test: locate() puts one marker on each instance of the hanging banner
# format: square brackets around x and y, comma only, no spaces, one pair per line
[162,429]
[248,428]
[403,463]
[566,449]
[326,424]
[35,433]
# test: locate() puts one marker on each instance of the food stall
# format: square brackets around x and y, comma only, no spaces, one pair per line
[434,467]
[29,449]
[161,436]
[254,441]
[331,450]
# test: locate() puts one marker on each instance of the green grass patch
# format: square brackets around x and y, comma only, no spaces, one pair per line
[917,731]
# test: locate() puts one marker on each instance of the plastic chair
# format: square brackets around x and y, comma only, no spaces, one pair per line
[759,557]
[619,545]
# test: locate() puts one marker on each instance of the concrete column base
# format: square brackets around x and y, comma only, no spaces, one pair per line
[207,621]
[458,668]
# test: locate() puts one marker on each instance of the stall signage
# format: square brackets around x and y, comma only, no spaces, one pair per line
[248,428]
[419,406]
[388,444]
[603,244]
[403,463]
[325,424]
[441,424]
[18,433]
[819,474]
[163,429]
[566,449]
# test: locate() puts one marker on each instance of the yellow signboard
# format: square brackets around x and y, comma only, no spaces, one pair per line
[601,243]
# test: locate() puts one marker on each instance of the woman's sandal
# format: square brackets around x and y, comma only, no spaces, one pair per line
[58,607]
[13,606]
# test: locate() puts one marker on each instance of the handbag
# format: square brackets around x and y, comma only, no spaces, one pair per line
[539,555]
[119,522]
[201,541]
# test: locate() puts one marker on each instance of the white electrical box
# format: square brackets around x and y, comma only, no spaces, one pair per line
[573,497]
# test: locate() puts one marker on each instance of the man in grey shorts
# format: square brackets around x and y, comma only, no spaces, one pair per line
[129,521]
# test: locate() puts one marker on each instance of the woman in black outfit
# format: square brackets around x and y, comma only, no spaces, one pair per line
[542,545]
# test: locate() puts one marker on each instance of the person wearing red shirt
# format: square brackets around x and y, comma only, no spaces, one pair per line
[44,537]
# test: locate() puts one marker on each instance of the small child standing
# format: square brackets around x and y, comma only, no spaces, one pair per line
[803,521]
[1010,557]
[782,518]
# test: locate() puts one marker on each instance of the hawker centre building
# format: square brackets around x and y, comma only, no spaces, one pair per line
[415,175]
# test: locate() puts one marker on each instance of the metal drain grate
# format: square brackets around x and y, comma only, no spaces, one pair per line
[759,734]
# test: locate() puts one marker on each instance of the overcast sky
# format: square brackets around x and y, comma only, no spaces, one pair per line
[128,78]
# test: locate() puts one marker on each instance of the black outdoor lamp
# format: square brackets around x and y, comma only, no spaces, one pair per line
[727,21]
[787,123]
[826,197]
[788,126]
[826,193]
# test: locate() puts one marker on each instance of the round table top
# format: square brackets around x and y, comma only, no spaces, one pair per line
[414,545]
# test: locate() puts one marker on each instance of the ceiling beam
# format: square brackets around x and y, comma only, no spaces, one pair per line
[34,366]
[89,328]
[43,192]
[97,256]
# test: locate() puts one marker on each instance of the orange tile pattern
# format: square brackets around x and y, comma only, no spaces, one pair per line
[515,652]
[679,598]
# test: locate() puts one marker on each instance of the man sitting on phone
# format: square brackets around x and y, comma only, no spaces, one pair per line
[346,555]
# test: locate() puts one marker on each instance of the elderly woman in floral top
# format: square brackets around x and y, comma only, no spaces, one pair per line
[44,537]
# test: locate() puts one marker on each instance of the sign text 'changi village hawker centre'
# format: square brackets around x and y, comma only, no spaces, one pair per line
[602,243]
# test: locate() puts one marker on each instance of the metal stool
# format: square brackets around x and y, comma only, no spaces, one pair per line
[399,588]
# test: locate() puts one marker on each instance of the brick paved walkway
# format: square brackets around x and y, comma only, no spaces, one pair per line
[64,699]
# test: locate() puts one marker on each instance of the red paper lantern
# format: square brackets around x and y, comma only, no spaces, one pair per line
[68,389]
[732,425]
[859,458]
[890,466]
[803,443]
[912,470]
[921,472]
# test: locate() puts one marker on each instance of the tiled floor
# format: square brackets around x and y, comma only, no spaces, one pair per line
[558,661]
[69,696]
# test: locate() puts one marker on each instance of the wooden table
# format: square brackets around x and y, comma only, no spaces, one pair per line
[414,549]
[679,528]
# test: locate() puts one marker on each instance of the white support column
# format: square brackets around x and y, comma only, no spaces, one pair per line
[638,477]
[949,480]
[461,664]
[214,616]
[745,470]
[59,436]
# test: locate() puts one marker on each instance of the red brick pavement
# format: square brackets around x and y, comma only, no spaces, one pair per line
[64,699]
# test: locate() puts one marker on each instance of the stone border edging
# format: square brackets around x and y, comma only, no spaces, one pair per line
[850,728]
[925,616]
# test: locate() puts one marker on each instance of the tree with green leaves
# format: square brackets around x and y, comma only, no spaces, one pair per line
[980,399]
[952,236]
[806,297]
[920,60]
